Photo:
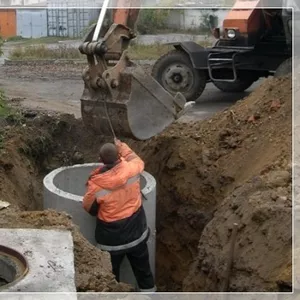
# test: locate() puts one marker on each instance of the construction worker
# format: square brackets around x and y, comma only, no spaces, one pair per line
[114,196]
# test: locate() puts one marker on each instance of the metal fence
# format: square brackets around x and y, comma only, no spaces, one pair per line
[70,22]
[61,22]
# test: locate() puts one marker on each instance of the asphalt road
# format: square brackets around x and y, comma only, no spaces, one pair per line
[213,100]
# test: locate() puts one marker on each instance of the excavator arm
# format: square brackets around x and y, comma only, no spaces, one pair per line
[117,92]
[127,16]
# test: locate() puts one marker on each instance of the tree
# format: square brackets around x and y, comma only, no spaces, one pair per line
[152,20]
[208,20]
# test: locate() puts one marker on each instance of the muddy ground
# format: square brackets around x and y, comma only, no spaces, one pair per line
[234,167]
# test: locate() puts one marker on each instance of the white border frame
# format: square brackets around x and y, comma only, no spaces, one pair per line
[181,295]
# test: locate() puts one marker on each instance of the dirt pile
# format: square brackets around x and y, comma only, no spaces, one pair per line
[235,167]
[262,208]
[27,153]
[242,156]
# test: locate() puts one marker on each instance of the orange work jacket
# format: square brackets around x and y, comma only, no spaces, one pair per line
[116,194]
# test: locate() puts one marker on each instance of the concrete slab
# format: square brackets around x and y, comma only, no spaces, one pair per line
[50,257]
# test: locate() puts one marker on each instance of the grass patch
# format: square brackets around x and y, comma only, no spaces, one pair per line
[43,52]
[136,52]
[1,45]
[36,41]
[65,52]
[4,113]
[10,114]
[4,109]
[46,40]
[140,52]
[16,38]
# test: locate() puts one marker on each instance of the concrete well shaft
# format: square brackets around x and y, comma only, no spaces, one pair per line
[64,189]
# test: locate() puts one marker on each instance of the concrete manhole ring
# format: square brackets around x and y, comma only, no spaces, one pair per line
[13,267]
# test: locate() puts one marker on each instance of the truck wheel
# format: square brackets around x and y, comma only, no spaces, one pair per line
[284,68]
[175,72]
[233,87]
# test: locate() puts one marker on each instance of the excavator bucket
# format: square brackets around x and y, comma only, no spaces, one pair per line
[138,108]
[122,100]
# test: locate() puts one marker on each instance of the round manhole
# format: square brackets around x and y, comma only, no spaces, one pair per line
[13,267]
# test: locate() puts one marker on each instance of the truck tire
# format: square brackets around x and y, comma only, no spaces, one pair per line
[284,68]
[233,87]
[175,73]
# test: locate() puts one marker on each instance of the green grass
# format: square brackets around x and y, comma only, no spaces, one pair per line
[42,40]
[42,52]
[47,40]
[64,52]
[4,109]
[4,112]
[10,114]
[16,38]
[140,52]
[13,115]
[1,45]
[136,52]
[154,51]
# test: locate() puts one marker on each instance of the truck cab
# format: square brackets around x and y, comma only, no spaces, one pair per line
[255,41]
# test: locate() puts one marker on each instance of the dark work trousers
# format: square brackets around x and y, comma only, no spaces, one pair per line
[139,261]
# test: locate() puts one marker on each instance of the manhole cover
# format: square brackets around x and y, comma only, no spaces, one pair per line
[13,267]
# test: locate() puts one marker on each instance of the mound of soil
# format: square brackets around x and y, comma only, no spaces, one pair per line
[200,166]
[259,200]
[27,155]
[235,167]
[262,208]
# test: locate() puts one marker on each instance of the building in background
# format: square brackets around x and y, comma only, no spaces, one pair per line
[12,3]
[71,18]
[8,27]
[49,18]
[32,23]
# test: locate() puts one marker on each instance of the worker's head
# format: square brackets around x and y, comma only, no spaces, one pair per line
[108,154]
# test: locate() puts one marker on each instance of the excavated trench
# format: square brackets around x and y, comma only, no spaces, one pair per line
[180,221]
[235,167]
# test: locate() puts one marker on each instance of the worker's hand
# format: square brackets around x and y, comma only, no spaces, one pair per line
[117,142]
